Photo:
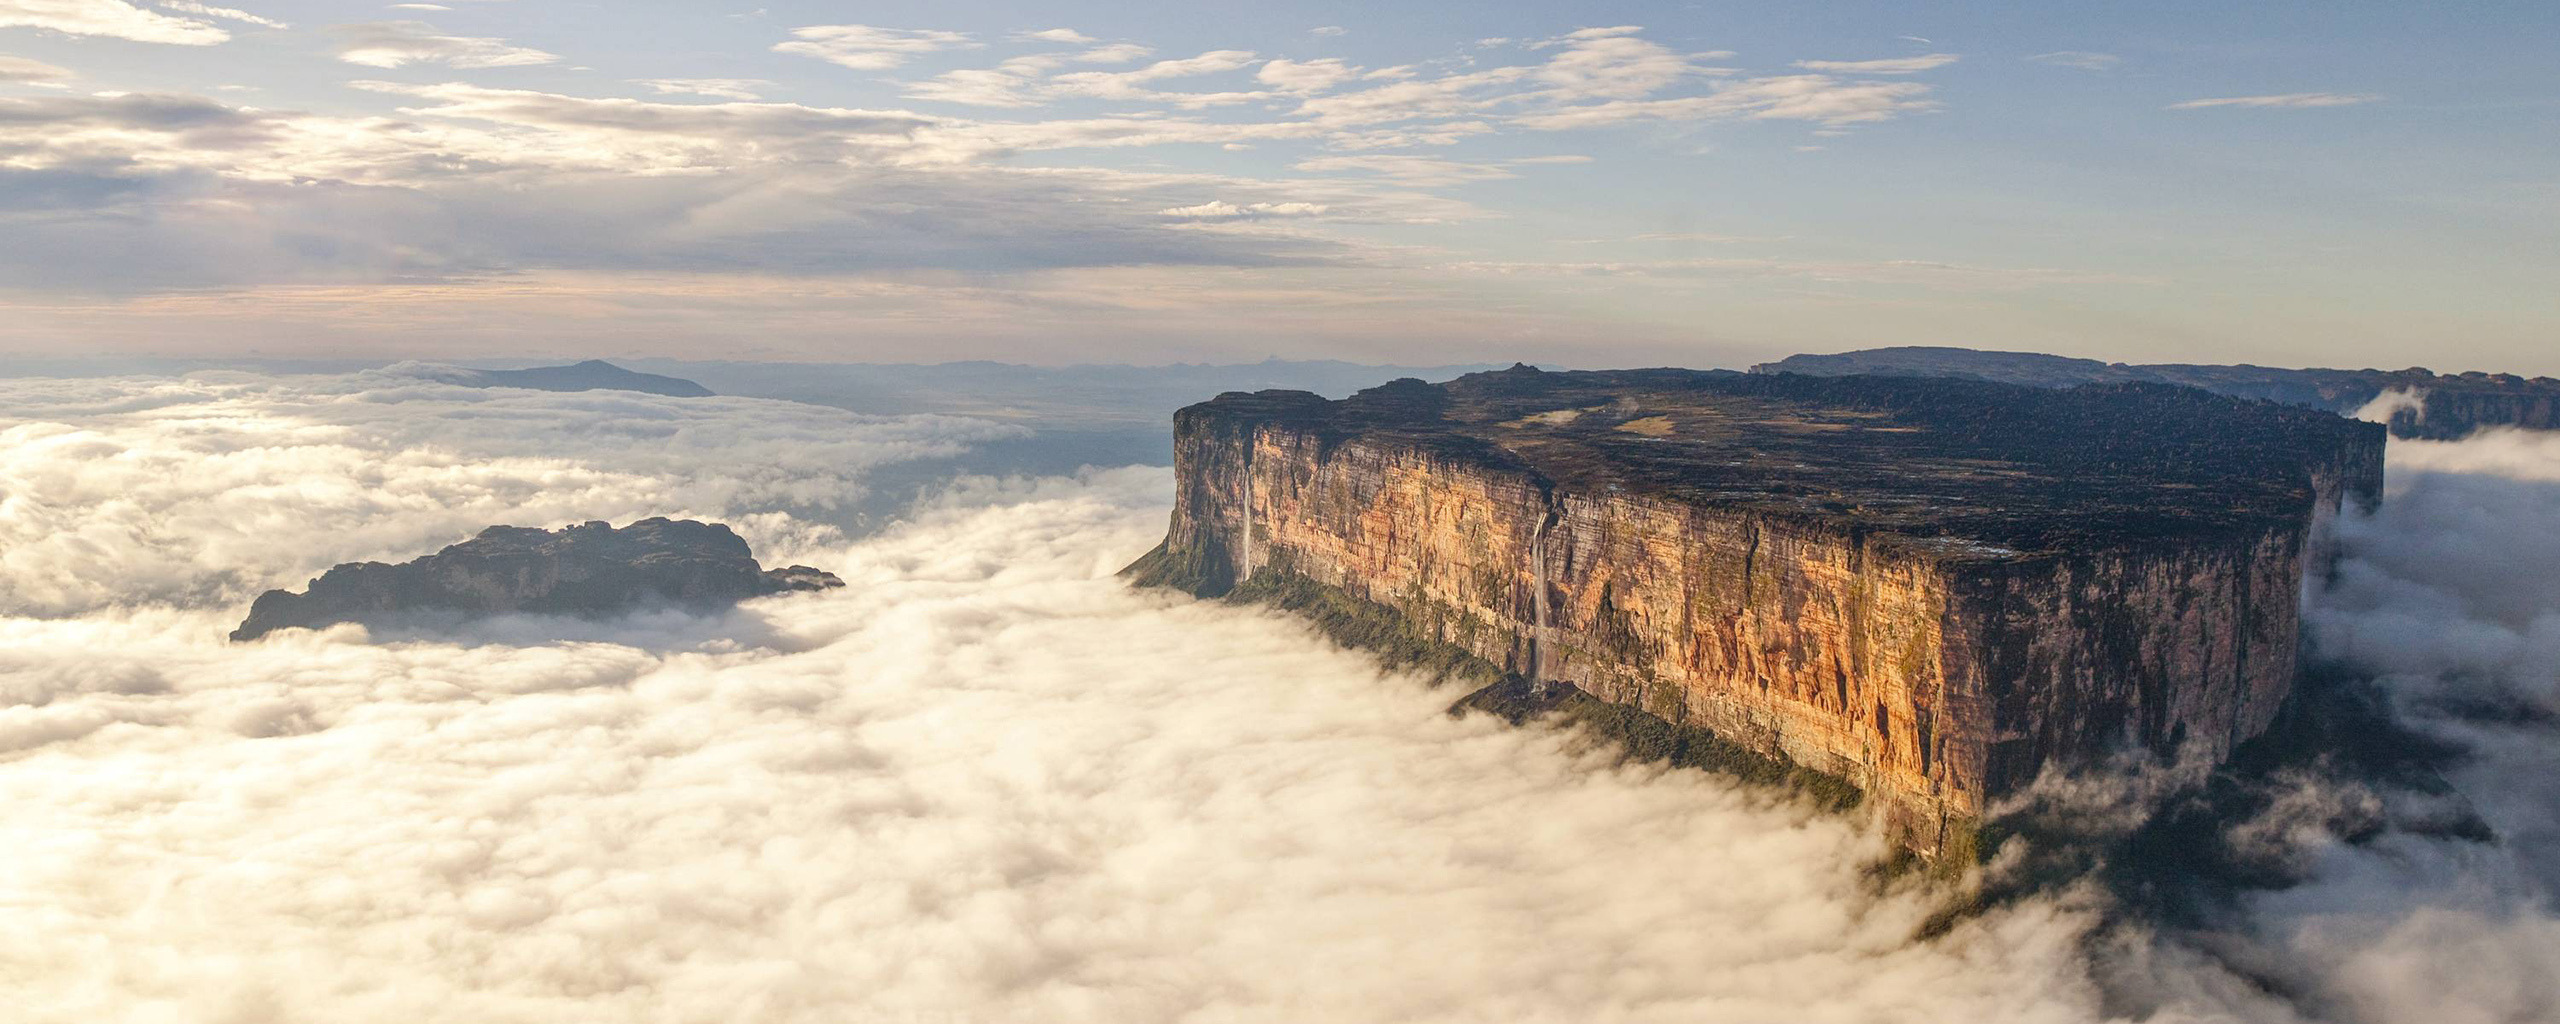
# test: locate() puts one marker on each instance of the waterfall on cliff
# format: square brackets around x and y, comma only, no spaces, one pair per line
[1244,545]
[1538,599]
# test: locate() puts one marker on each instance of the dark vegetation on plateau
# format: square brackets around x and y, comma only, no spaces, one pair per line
[2448,405]
[2030,470]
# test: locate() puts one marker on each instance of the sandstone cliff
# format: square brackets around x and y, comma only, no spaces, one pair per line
[1932,590]
[585,570]
[2415,402]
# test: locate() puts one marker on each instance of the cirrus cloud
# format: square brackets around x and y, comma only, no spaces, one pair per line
[1883,66]
[2281,100]
[866,48]
[390,44]
[116,19]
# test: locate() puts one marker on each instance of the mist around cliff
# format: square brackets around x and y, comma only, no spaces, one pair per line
[2394,857]
[985,781]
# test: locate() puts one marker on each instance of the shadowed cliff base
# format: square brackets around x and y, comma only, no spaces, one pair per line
[2179,847]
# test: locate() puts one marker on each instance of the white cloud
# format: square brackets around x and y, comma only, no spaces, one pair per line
[1818,98]
[1412,170]
[199,504]
[1130,85]
[1055,35]
[864,48]
[1219,210]
[1027,81]
[1012,85]
[226,13]
[2290,99]
[721,88]
[2082,59]
[112,18]
[1611,64]
[1884,66]
[25,70]
[1303,77]
[390,44]
[1328,30]
[1114,53]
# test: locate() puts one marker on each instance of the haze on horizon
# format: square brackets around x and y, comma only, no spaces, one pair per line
[2351,184]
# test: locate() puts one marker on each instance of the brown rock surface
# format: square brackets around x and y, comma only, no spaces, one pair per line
[1930,589]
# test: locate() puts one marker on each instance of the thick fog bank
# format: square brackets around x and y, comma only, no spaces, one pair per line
[985,781]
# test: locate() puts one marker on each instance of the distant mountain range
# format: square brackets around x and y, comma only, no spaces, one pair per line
[591,375]
[1083,396]
[2417,403]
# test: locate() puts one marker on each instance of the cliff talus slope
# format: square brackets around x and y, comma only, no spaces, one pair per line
[1933,590]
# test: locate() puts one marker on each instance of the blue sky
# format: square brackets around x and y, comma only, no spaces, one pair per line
[1595,184]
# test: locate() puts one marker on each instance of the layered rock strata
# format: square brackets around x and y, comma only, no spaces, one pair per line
[591,569]
[1933,590]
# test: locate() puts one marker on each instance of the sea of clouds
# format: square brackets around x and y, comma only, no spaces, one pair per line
[988,782]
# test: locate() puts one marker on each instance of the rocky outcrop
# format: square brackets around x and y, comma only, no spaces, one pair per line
[2416,403]
[1931,590]
[591,569]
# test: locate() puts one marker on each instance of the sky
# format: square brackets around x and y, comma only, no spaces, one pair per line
[2353,183]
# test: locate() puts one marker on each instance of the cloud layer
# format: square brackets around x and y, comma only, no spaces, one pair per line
[985,781]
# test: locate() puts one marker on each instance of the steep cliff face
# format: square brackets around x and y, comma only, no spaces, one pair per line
[1826,574]
[2416,403]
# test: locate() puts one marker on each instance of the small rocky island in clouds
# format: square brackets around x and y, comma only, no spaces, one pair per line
[587,570]
[1922,592]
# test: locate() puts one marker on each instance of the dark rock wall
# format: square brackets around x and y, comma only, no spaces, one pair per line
[585,570]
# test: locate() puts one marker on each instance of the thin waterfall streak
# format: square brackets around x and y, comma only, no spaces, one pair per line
[1538,603]
[1244,550]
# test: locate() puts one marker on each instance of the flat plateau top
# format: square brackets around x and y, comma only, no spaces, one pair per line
[1967,469]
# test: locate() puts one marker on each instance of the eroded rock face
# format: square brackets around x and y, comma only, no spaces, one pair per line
[1934,590]
[591,569]
[2417,403]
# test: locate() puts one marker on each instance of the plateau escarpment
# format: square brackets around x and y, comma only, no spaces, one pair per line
[589,569]
[1931,590]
